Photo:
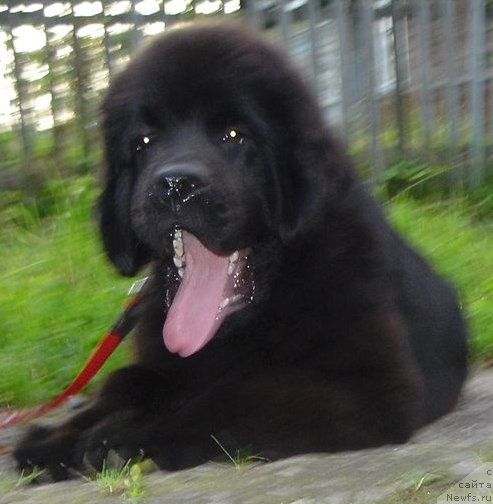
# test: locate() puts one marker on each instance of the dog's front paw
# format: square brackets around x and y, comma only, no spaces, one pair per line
[119,435]
[48,450]
[135,438]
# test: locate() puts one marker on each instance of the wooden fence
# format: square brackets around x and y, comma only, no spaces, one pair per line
[401,79]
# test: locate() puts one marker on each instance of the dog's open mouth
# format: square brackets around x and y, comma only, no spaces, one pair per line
[212,286]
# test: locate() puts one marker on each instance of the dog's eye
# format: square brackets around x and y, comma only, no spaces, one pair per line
[143,142]
[233,135]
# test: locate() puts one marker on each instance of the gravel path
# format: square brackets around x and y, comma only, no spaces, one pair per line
[417,472]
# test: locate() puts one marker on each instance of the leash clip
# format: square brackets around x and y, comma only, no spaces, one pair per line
[137,286]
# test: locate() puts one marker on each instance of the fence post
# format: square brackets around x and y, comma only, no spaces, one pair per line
[400,54]
[312,22]
[426,98]
[452,96]
[135,33]
[106,43]
[19,87]
[80,101]
[477,40]
[342,19]
[254,14]
[53,97]
[284,20]
[373,106]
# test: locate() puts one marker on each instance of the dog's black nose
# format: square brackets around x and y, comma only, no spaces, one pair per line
[176,190]
[180,188]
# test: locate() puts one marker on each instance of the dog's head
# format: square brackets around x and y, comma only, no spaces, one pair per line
[214,147]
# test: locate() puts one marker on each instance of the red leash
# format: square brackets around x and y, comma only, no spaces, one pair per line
[125,323]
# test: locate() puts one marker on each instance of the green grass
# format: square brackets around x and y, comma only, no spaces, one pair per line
[59,294]
[461,248]
[9,483]
[421,489]
[239,458]
[127,482]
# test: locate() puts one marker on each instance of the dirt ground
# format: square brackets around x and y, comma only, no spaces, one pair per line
[417,472]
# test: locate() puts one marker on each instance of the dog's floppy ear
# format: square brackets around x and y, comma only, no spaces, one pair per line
[319,175]
[123,248]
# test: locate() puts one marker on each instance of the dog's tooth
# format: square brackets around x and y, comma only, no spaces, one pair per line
[231,268]
[178,246]
[181,272]
[230,300]
[178,261]
[235,299]
[234,257]
[178,233]
[224,303]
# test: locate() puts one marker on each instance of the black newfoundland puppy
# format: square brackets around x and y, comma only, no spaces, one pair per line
[282,314]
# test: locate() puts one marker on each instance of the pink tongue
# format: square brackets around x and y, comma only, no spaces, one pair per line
[194,317]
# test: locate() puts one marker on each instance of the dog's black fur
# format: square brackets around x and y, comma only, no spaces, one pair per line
[350,341]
